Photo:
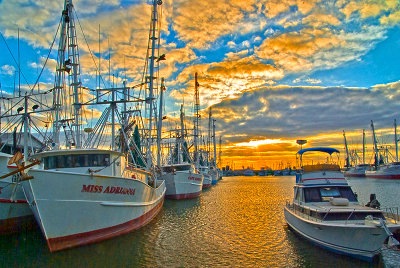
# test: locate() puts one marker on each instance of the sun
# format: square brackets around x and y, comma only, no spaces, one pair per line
[257,143]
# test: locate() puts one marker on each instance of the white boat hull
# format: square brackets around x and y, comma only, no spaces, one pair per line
[207,181]
[15,213]
[360,241]
[214,176]
[392,173]
[75,209]
[353,172]
[183,185]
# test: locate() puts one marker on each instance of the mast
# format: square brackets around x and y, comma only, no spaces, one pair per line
[68,40]
[26,128]
[159,126]
[214,143]
[364,146]
[220,151]
[375,145]
[347,150]
[151,79]
[73,58]
[395,140]
[182,135]
[209,137]
[196,120]
[19,69]
[113,107]
[59,78]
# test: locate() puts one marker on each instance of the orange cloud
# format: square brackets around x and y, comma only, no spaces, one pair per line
[204,22]
[368,8]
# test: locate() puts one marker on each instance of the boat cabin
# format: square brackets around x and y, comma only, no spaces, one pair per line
[331,203]
[84,161]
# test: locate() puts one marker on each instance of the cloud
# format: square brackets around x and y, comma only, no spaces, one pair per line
[317,20]
[369,8]
[225,80]
[294,112]
[313,49]
[7,70]
[200,24]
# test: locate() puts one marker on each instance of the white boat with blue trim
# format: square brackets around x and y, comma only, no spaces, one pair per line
[326,212]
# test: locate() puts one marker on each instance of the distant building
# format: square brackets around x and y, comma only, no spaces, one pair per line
[13,142]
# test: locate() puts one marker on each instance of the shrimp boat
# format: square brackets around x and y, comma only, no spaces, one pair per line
[80,193]
[357,170]
[207,178]
[326,212]
[197,156]
[388,170]
[182,179]
[83,196]
[15,213]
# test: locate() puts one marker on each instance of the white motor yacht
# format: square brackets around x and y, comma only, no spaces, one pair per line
[326,212]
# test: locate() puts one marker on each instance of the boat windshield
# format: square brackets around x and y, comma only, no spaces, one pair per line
[324,194]
[76,160]
[176,168]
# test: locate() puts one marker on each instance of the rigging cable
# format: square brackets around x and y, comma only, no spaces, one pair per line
[15,61]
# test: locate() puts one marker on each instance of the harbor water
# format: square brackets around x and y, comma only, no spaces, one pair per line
[237,223]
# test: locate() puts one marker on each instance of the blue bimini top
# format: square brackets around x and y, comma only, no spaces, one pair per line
[318,149]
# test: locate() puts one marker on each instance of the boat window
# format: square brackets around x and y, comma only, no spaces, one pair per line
[312,195]
[182,168]
[69,161]
[76,160]
[60,161]
[324,194]
[168,169]
[51,162]
[346,192]
[328,192]
[297,194]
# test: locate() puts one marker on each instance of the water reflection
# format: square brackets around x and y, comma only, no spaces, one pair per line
[237,223]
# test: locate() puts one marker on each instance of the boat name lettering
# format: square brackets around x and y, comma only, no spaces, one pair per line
[92,188]
[194,178]
[107,190]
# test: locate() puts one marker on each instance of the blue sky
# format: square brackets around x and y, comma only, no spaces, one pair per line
[278,69]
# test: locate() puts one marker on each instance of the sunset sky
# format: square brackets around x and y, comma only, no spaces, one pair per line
[273,71]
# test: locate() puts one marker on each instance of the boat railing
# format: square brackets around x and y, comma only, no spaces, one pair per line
[391,213]
[320,215]
[302,211]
